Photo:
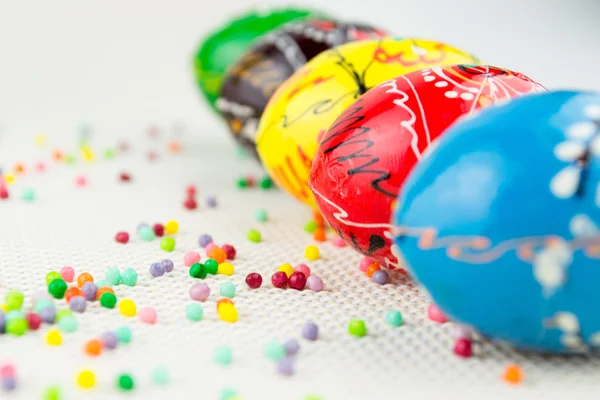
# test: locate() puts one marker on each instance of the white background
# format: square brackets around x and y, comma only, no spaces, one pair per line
[116,64]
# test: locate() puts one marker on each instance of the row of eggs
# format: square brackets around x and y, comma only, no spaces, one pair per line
[497,219]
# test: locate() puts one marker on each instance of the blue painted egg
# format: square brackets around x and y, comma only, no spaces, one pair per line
[500,222]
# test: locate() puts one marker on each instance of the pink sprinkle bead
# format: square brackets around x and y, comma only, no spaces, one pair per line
[209,247]
[314,283]
[80,181]
[303,268]
[435,314]
[40,166]
[463,348]
[191,258]
[67,273]
[338,241]
[7,371]
[200,291]
[148,315]
[365,262]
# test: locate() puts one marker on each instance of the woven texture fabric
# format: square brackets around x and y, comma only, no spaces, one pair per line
[68,225]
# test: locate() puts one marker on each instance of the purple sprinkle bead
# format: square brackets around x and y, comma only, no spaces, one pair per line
[157,269]
[285,366]
[380,277]
[142,225]
[89,289]
[109,340]
[2,322]
[310,331]
[77,304]
[200,291]
[8,384]
[167,265]
[291,347]
[211,202]
[48,315]
[314,283]
[204,240]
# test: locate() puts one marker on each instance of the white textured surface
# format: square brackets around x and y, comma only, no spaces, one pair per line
[75,226]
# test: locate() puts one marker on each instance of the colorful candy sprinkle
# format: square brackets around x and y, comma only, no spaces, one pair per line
[113,276]
[287,269]
[394,318]
[53,337]
[227,289]
[223,355]
[357,328]
[194,311]
[261,215]
[157,269]
[279,280]
[123,334]
[86,379]
[226,268]
[191,258]
[513,374]
[171,227]
[129,277]
[254,236]
[127,308]
[275,351]
[148,315]
[310,331]
[253,280]
[199,292]
[312,253]
[122,237]
[380,277]
[463,348]
[204,240]
[67,274]
[167,244]
[125,382]
[297,281]
[314,283]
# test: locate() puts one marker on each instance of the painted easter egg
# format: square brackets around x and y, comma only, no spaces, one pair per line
[251,81]
[307,103]
[365,156]
[500,222]
[222,47]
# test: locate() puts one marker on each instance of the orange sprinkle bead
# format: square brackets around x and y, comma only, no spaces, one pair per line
[513,374]
[318,218]
[83,278]
[218,254]
[19,168]
[319,235]
[103,290]
[73,291]
[174,146]
[57,155]
[222,301]
[371,269]
[93,348]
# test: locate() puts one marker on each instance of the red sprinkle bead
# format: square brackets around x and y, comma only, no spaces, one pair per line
[297,280]
[190,204]
[3,193]
[230,250]
[279,279]
[34,321]
[251,181]
[152,156]
[463,348]
[122,237]
[190,190]
[253,280]
[124,177]
[159,230]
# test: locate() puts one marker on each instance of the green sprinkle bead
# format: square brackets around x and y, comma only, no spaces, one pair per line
[129,277]
[113,276]
[261,215]
[14,314]
[103,283]
[125,382]
[28,194]
[211,266]
[194,311]
[14,300]
[274,350]
[242,183]
[57,288]
[16,326]
[108,300]
[223,355]
[123,334]
[266,183]
[160,376]
[227,289]
[253,235]
[310,226]
[68,324]
[167,244]
[63,313]
[393,318]
[52,393]
[42,304]
[228,394]
[70,159]
[146,234]
[109,153]
[357,328]
[52,275]
[197,270]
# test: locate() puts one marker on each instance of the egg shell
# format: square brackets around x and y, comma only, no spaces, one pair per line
[368,152]
[500,222]
[306,105]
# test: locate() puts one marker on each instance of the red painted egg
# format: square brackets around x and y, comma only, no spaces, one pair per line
[365,156]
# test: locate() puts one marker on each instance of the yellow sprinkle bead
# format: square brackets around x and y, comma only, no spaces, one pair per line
[171,227]
[312,253]
[9,178]
[226,268]
[287,268]
[227,312]
[86,379]
[3,307]
[127,308]
[87,153]
[39,140]
[53,337]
